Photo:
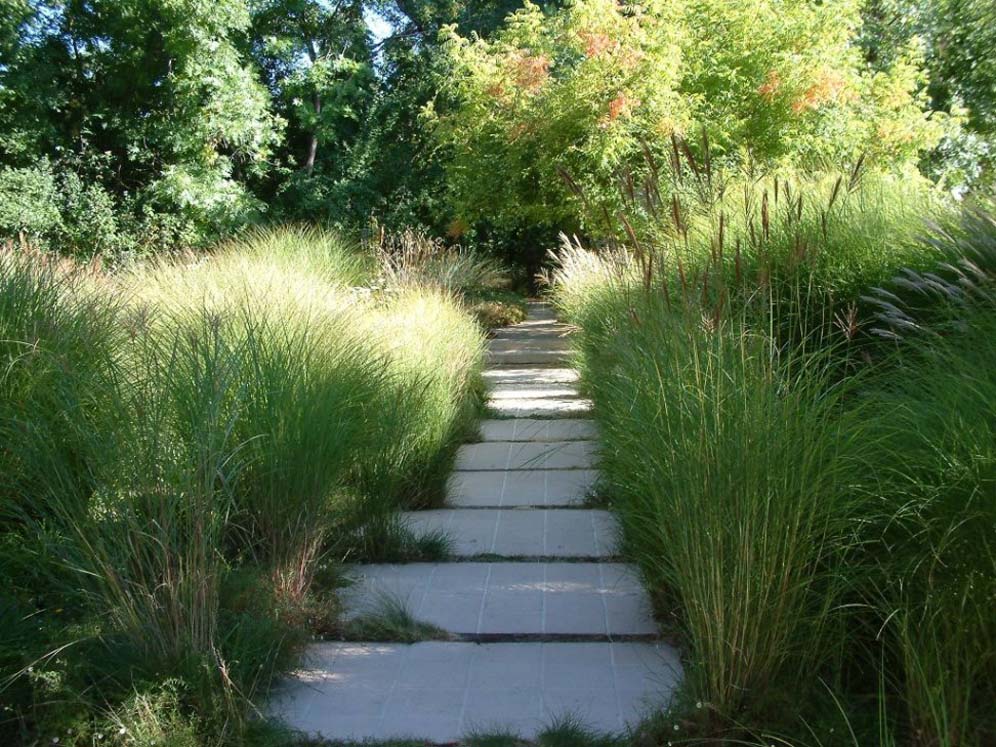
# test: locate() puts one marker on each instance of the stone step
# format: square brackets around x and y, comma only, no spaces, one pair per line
[526,357]
[488,600]
[529,375]
[529,344]
[531,429]
[549,331]
[541,488]
[522,533]
[442,691]
[517,455]
[540,407]
[540,310]
[525,390]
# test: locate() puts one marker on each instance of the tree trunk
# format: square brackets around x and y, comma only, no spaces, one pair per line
[309,164]
[313,140]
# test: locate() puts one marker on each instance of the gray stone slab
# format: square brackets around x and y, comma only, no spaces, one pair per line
[530,532]
[540,310]
[525,357]
[544,331]
[541,488]
[529,375]
[531,455]
[529,343]
[509,598]
[540,407]
[532,429]
[442,691]
[532,391]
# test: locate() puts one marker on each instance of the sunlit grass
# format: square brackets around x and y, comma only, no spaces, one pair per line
[251,412]
[815,521]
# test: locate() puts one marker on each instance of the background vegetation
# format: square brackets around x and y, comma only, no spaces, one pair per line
[142,125]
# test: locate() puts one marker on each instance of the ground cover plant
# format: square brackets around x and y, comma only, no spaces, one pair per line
[771,440]
[187,447]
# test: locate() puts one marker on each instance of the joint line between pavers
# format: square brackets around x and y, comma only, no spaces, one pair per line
[494,535]
[546,587]
[594,531]
[615,685]
[394,683]
[426,590]
[466,695]
[546,529]
[602,595]
[501,492]
[484,598]
[542,687]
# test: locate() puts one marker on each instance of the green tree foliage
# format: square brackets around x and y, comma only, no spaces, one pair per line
[957,38]
[590,89]
[150,100]
[396,171]
[316,59]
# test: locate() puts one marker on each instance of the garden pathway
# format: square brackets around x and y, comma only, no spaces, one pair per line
[541,620]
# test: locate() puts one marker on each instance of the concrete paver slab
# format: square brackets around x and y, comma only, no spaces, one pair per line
[518,455]
[529,342]
[530,532]
[532,429]
[540,407]
[532,391]
[511,599]
[441,691]
[520,488]
[529,374]
[524,357]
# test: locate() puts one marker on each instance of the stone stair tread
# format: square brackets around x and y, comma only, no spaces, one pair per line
[522,533]
[442,691]
[540,407]
[529,374]
[507,357]
[518,455]
[529,344]
[542,488]
[532,429]
[553,332]
[526,390]
[509,599]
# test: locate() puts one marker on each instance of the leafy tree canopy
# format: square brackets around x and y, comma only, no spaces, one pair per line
[588,89]
[149,98]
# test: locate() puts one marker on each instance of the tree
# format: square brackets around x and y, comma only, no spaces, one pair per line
[316,60]
[956,38]
[587,91]
[150,99]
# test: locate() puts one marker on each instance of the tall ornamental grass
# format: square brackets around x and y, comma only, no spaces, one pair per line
[820,535]
[732,473]
[227,426]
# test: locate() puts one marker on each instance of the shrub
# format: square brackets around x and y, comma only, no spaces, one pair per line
[730,469]
[414,258]
[29,203]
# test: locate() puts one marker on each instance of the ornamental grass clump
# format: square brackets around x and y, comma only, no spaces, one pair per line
[186,446]
[812,515]
[730,469]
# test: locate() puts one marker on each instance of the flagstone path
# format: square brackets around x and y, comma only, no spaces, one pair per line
[542,620]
